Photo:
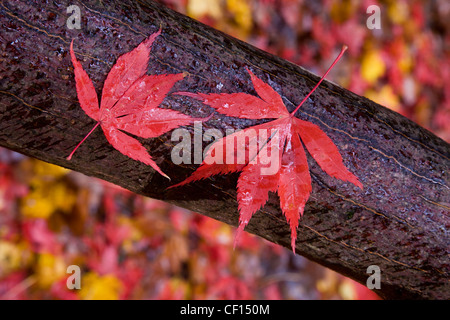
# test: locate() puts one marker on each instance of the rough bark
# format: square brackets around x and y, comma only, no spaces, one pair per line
[399,222]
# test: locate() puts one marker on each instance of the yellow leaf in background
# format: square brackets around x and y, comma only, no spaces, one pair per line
[35,205]
[328,284]
[46,194]
[46,197]
[96,287]
[198,9]
[10,257]
[49,269]
[134,231]
[242,13]
[342,10]
[347,291]
[175,289]
[46,169]
[352,290]
[398,12]
[405,63]
[62,197]
[423,112]
[224,235]
[386,97]
[372,66]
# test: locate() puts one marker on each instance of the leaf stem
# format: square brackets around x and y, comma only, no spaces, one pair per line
[92,130]
[323,77]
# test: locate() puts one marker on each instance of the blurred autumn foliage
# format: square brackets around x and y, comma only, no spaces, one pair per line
[130,247]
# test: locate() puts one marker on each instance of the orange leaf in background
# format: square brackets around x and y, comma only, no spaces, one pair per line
[49,269]
[96,287]
[372,66]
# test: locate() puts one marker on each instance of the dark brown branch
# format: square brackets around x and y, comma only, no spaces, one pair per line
[399,222]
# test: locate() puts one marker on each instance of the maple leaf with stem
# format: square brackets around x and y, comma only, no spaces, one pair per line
[280,141]
[129,102]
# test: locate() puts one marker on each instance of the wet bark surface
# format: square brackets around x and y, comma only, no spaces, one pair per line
[399,222]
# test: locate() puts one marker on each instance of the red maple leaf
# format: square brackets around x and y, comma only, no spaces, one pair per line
[279,140]
[129,102]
